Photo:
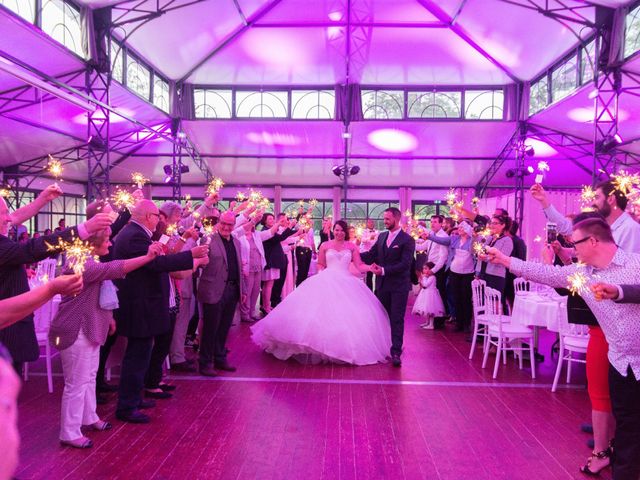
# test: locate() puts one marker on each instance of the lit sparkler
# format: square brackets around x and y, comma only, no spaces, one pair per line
[451,197]
[543,166]
[625,182]
[475,201]
[479,249]
[215,186]
[123,199]
[172,229]
[5,192]
[139,179]
[55,167]
[77,253]
[587,196]
[577,282]
[241,197]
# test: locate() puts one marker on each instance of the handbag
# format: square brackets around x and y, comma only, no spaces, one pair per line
[108,296]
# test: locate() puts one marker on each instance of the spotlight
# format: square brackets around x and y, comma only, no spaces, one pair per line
[168,179]
[337,170]
[529,151]
[519,172]
[168,169]
[608,143]
[354,170]
[342,170]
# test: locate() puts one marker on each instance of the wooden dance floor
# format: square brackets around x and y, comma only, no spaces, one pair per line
[440,416]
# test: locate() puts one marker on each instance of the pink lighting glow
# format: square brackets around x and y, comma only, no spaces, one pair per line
[335,16]
[276,49]
[392,140]
[82,118]
[266,138]
[541,149]
[585,115]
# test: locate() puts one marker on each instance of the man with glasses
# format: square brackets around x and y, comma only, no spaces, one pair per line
[143,296]
[220,289]
[605,263]
[608,202]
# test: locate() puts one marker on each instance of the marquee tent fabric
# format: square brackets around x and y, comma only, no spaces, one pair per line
[267,45]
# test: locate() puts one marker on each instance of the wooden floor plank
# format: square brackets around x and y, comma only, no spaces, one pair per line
[440,416]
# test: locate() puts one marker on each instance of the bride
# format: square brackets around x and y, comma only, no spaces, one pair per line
[331,316]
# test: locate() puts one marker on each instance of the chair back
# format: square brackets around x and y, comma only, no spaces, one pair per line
[571,329]
[521,285]
[477,297]
[493,300]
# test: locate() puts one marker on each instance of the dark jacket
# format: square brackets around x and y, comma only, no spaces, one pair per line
[144,293]
[273,253]
[20,338]
[395,259]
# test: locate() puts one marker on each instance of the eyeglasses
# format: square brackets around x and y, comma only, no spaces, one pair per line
[582,240]
[226,224]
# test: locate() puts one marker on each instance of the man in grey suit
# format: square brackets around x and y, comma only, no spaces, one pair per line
[219,290]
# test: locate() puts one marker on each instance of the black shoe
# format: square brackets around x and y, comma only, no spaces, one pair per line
[158,395]
[165,387]
[133,417]
[101,399]
[395,361]
[208,372]
[224,366]
[146,404]
[106,388]
[586,427]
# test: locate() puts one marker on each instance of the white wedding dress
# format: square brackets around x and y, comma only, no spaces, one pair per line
[330,317]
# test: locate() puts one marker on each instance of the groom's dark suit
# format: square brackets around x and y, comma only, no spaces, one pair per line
[392,288]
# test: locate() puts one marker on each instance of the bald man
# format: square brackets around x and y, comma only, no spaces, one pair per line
[220,289]
[144,305]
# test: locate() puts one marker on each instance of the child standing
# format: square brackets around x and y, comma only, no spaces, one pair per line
[428,304]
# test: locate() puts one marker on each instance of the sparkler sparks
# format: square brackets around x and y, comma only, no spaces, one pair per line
[451,197]
[123,199]
[587,196]
[479,249]
[625,182]
[5,192]
[577,282]
[139,179]
[172,229]
[543,166]
[215,186]
[77,252]
[55,167]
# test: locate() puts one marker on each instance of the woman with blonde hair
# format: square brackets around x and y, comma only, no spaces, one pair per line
[80,326]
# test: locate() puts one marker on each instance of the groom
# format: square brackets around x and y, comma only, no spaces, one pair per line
[391,258]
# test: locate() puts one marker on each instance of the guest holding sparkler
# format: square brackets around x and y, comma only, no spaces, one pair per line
[79,328]
[20,338]
[595,247]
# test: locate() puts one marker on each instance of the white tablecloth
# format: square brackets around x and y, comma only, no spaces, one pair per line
[533,309]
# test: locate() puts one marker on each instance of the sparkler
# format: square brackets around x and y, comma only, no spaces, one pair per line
[577,282]
[313,202]
[587,196]
[5,192]
[475,201]
[123,199]
[215,186]
[451,197]
[543,167]
[55,167]
[139,179]
[172,229]
[625,182]
[537,239]
[479,249]
[77,252]
[241,197]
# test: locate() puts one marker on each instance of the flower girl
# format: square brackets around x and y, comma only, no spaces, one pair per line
[428,304]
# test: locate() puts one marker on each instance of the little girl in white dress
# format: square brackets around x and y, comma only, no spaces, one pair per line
[428,304]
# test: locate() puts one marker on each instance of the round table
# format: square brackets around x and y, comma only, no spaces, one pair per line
[533,309]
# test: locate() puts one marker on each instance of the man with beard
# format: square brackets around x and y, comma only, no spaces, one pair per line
[610,203]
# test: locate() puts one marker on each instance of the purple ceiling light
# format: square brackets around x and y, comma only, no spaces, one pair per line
[393,140]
